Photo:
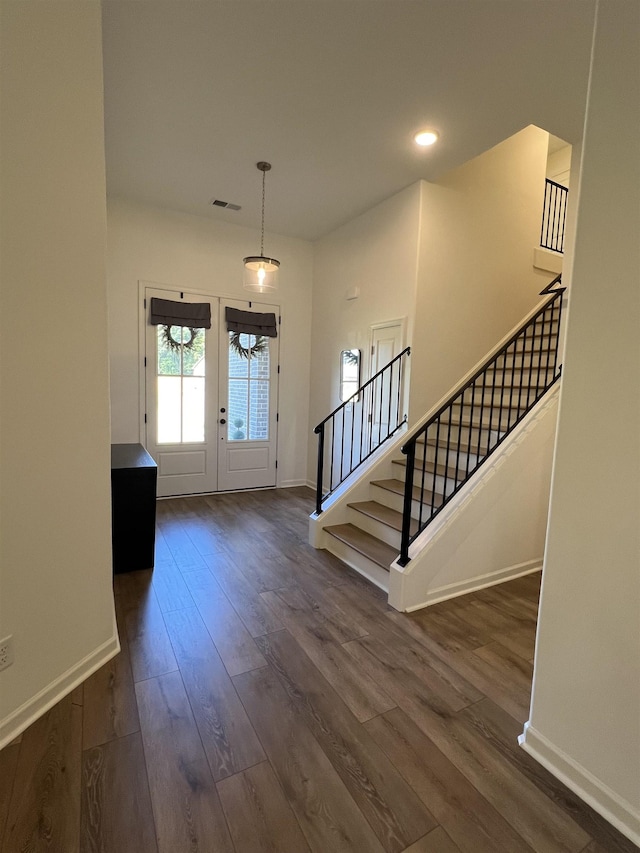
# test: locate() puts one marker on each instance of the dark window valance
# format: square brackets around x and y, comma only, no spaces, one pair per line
[251,323]
[166,312]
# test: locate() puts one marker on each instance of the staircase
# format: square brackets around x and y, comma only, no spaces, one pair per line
[449,448]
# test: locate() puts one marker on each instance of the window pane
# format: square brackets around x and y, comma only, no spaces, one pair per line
[193,356]
[238,409]
[238,365]
[259,411]
[169,409]
[259,364]
[193,408]
[168,357]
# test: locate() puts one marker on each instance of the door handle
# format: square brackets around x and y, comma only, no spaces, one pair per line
[222,421]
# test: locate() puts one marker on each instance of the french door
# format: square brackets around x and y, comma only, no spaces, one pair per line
[210,402]
[248,398]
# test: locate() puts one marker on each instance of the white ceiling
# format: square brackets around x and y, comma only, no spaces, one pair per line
[330,92]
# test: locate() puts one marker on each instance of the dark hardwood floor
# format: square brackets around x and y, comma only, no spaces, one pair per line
[266,698]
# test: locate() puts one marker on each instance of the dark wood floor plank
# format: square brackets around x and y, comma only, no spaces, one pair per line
[150,651]
[263,572]
[365,601]
[450,630]
[436,842]
[355,704]
[116,806]
[391,807]
[504,786]
[405,680]
[170,588]
[205,539]
[229,740]
[505,602]
[8,765]
[315,609]
[181,546]
[502,731]
[162,554]
[328,815]
[234,643]
[443,678]
[259,817]
[44,813]
[473,824]
[521,640]
[110,709]
[201,582]
[364,697]
[256,616]
[503,676]
[186,807]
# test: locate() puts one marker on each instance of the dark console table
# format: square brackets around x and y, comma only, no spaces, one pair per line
[133,507]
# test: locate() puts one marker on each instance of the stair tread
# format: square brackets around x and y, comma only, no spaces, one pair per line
[397,487]
[364,543]
[382,513]
[440,470]
[465,447]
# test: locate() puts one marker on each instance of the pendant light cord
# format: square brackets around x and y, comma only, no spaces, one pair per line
[264,175]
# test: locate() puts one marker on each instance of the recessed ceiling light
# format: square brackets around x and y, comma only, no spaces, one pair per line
[426,137]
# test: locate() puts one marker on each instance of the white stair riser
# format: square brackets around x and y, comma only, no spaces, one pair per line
[464,435]
[494,398]
[361,564]
[433,484]
[374,527]
[540,377]
[526,361]
[393,500]
[452,459]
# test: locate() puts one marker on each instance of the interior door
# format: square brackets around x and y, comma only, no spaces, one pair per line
[181,373]
[248,395]
[386,343]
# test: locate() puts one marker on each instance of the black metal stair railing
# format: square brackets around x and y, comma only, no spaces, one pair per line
[479,416]
[554,216]
[354,430]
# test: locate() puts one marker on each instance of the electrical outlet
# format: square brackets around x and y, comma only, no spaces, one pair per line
[6,652]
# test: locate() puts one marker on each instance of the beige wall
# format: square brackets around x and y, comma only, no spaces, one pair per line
[479,226]
[376,253]
[585,713]
[55,512]
[196,253]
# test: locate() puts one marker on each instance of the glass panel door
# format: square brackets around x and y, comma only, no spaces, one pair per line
[182,401]
[248,393]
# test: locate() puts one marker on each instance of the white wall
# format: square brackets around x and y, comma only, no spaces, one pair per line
[585,712]
[55,510]
[376,253]
[476,280]
[197,253]
[559,166]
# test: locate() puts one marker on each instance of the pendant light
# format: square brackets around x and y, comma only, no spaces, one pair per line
[260,273]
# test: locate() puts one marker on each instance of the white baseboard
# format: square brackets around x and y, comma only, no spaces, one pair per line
[444,593]
[291,484]
[595,793]
[33,708]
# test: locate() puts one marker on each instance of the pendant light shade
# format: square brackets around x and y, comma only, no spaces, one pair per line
[260,273]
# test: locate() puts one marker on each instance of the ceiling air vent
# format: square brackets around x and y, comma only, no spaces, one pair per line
[216,202]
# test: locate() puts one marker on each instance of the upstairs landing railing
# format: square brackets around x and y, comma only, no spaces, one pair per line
[479,416]
[554,216]
[351,433]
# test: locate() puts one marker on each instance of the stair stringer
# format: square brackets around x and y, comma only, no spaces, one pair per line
[495,527]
